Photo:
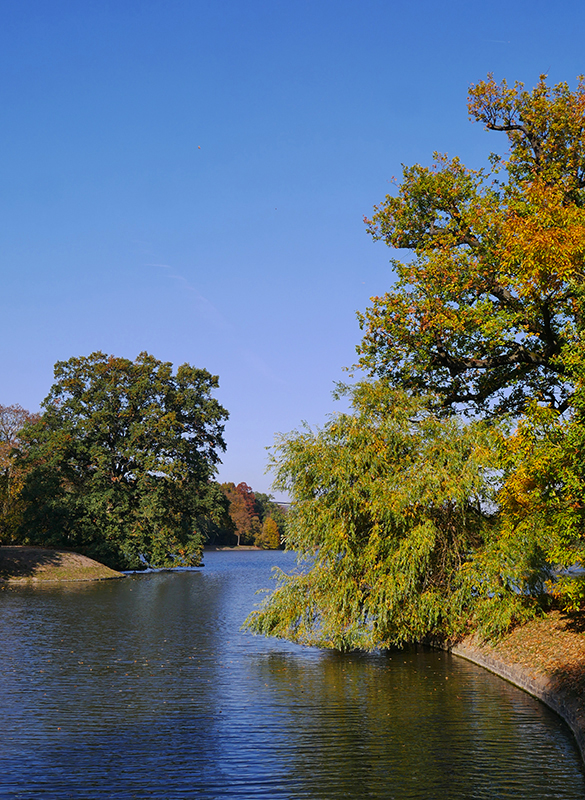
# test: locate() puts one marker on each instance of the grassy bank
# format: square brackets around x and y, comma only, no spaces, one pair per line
[35,564]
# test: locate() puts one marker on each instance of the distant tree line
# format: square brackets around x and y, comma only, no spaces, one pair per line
[120,466]
[254,519]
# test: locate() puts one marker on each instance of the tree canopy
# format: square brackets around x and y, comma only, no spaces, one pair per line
[248,515]
[412,523]
[120,464]
[12,421]
[242,511]
[484,310]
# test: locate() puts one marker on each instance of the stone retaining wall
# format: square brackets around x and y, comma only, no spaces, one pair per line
[544,687]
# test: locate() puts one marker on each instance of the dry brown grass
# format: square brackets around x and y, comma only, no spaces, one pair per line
[547,645]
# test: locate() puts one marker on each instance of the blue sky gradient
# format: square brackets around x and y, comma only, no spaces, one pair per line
[190,179]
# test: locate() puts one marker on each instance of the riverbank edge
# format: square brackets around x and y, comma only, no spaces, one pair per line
[210,548]
[542,686]
[23,565]
[538,682]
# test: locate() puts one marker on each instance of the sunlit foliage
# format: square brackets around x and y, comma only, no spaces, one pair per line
[12,475]
[484,307]
[269,536]
[412,523]
[120,464]
[394,517]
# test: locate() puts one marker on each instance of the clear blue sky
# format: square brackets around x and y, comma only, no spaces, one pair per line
[190,178]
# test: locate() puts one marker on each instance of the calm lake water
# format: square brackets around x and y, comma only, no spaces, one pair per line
[146,688]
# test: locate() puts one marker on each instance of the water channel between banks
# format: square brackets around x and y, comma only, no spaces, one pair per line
[146,688]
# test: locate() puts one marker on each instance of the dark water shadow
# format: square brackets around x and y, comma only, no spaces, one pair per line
[146,688]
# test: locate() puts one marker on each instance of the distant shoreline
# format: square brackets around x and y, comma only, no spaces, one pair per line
[545,657]
[21,564]
[236,548]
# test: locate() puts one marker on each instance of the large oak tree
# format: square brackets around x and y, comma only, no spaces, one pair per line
[122,460]
[484,309]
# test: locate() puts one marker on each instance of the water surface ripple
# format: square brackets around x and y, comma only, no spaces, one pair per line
[146,688]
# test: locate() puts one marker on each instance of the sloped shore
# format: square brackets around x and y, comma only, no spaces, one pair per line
[546,658]
[39,564]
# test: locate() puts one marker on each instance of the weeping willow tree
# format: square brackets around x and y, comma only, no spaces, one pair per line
[395,523]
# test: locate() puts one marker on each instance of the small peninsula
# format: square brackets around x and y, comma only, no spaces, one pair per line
[41,564]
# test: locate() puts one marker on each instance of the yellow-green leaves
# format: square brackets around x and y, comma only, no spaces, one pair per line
[542,496]
[544,128]
[543,242]
[390,504]
[414,523]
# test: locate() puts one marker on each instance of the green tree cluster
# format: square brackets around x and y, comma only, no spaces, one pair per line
[412,522]
[120,465]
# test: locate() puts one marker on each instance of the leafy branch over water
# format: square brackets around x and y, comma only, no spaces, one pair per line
[394,514]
